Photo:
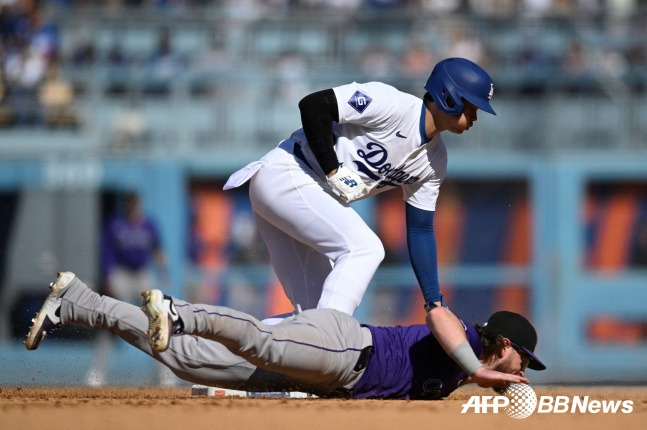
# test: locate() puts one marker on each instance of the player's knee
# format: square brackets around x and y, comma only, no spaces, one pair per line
[374,250]
[380,253]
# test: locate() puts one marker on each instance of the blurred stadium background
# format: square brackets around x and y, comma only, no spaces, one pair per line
[544,210]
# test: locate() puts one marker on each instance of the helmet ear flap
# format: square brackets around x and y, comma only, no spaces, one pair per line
[452,105]
[449,100]
[441,91]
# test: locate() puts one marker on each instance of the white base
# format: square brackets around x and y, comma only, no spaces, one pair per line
[204,391]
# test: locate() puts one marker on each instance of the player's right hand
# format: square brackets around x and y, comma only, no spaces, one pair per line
[486,378]
[347,185]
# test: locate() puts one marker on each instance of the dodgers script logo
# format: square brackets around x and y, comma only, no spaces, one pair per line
[360,101]
[376,167]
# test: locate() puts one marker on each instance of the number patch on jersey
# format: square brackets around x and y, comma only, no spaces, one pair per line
[360,101]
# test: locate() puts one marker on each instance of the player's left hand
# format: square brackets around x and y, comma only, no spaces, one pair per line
[487,378]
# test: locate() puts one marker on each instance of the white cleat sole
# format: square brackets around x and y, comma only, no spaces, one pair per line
[158,322]
[38,333]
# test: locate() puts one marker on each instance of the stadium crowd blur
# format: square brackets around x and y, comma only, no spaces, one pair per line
[46,45]
[205,80]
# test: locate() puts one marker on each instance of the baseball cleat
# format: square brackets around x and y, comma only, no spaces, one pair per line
[48,319]
[158,320]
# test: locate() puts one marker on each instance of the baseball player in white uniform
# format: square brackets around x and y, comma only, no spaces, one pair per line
[359,140]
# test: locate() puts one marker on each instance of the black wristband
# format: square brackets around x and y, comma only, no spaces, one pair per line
[325,155]
[429,306]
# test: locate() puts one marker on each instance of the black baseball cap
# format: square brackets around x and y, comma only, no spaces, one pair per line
[519,330]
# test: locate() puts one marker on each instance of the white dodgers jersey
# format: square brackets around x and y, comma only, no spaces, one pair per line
[381,137]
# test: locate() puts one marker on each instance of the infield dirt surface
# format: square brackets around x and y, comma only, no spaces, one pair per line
[115,408]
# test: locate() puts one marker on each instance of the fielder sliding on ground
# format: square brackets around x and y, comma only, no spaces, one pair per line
[359,140]
[320,351]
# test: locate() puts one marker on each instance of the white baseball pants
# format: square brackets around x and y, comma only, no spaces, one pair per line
[323,253]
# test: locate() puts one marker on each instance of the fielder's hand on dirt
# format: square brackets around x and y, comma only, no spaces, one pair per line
[486,378]
[347,185]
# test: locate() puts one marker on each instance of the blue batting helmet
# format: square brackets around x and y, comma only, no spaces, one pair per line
[456,79]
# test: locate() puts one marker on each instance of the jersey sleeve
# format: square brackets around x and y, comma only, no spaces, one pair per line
[473,338]
[424,194]
[370,104]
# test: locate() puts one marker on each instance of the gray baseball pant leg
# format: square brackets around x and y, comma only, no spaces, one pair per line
[193,359]
[319,347]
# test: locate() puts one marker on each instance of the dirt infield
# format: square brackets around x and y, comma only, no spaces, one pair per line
[144,408]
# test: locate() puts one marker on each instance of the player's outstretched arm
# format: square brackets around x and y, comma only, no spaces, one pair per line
[421,242]
[447,329]
[450,333]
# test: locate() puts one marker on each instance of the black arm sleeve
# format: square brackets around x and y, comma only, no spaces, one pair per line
[318,111]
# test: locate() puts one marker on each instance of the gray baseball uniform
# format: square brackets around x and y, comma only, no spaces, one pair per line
[320,351]
[227,343]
